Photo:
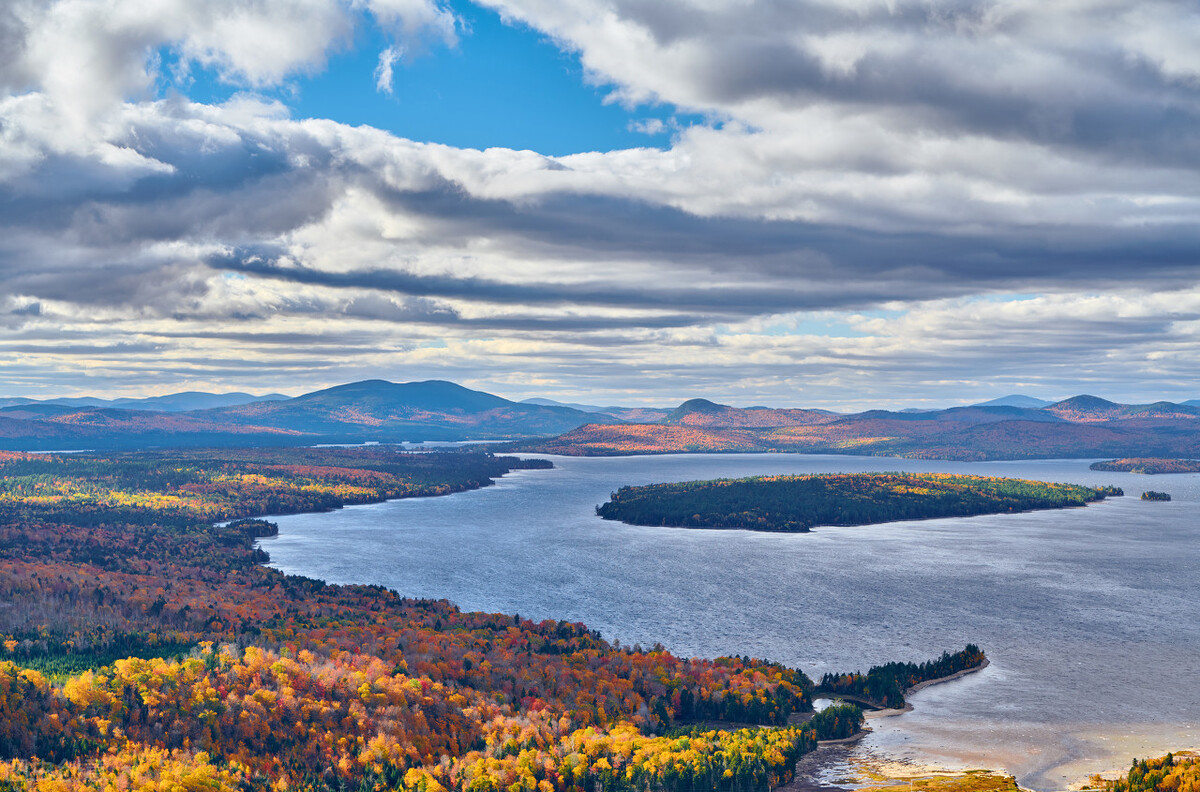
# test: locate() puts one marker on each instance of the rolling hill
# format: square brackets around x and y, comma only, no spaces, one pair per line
[380,411]
[1079,427]
[389,411]
[172,402]
[368,411]
[1016,400]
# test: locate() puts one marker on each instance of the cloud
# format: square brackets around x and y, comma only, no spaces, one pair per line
[383,72]
[414,20]
[650,126]
[1053,72]
[901,171]
[87,56]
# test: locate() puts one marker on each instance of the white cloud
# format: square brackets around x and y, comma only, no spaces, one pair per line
[929,154]
[412,20]
[649,126]
[383,71]
[89,55]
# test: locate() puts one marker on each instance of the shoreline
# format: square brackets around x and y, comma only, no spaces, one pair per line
[830,752]
[888,712]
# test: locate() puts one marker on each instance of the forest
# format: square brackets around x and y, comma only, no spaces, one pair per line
[144,645]
[1179,772]
[838,721]
[1149,466]
[798,503]
[1155,495]
[884,686]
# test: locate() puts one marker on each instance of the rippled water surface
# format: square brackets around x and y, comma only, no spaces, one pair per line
[1091,617]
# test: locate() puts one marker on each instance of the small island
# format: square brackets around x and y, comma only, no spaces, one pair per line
[797,503]
[1152,495]
[1148,465]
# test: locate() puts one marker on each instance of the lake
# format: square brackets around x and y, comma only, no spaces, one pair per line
[1090,616]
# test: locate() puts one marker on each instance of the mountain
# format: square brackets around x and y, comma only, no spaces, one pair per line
[57,427]
[373,410]
[702,412]
[1082,426]
[174,402]
[381,411]
[1015,400]
[1161,410]
[193,400]
[1087,409]
[388,411]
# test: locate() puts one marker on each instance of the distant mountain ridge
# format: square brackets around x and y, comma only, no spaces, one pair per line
[382,411]
[172,402]
[1016,400]
[552,403]
[630,414]
[371,410]
[702,412]
[1081,426]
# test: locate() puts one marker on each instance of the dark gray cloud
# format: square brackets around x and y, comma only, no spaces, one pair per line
[1115,79]
[781,265]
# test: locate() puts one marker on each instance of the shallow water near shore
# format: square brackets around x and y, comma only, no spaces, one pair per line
[1087,615]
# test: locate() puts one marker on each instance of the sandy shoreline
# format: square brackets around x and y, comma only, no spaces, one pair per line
[856,770]
[843,768]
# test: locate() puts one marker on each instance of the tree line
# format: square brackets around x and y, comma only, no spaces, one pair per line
[884,686]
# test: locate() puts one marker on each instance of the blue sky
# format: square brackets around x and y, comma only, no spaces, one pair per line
[502,84]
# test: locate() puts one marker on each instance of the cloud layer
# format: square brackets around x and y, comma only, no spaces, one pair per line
[893,202]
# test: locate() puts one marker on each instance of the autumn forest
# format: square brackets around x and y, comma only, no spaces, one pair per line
[798,503]
[144,645]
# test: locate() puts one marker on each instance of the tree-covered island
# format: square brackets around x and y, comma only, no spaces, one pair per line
[798,503]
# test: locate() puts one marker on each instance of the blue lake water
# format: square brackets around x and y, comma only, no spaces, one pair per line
[1091,616]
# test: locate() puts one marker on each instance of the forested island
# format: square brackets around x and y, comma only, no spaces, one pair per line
[1150,466]
[798,503]
[1155,495]
[144,646]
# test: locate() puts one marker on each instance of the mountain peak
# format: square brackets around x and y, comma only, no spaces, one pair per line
[1016,400]
[700,405]
[435,395]
[1086,402]
[694,407]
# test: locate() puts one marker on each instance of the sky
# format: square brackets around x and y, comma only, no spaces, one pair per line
[841,204]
